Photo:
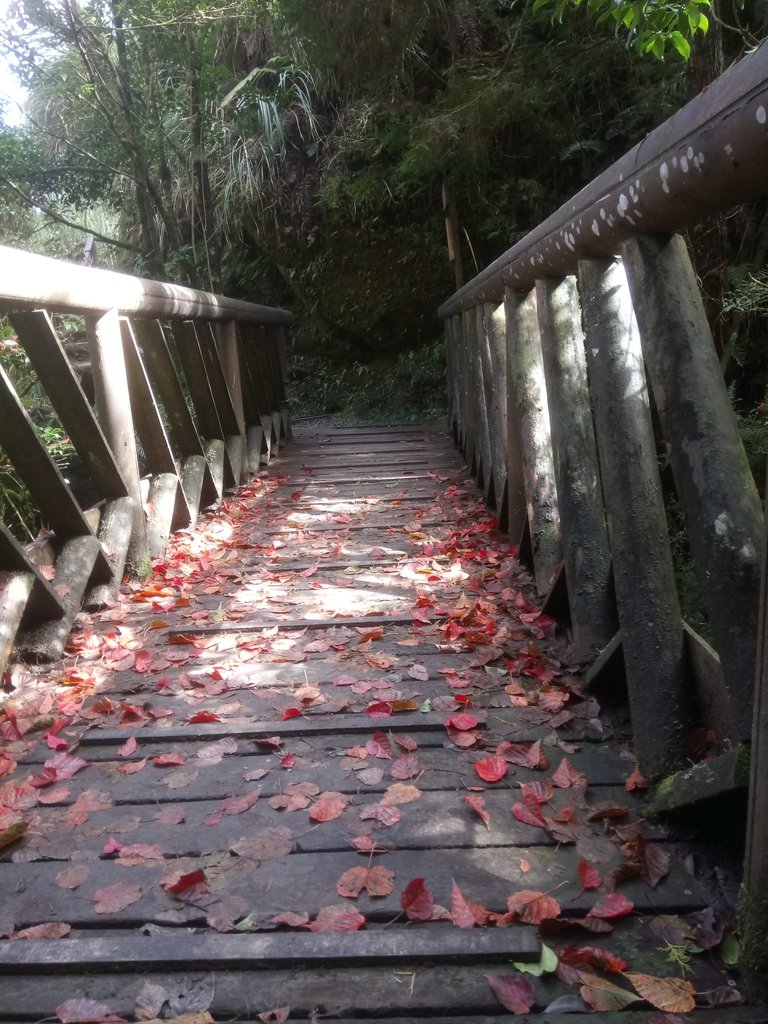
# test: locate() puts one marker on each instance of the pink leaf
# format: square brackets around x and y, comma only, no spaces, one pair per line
[417,901]
[514,992]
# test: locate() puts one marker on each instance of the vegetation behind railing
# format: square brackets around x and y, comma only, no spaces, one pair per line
[188,399]
[578,362]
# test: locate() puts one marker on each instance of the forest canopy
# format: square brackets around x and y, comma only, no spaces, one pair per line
[298,153]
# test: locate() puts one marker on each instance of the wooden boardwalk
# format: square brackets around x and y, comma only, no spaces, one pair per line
[341,684]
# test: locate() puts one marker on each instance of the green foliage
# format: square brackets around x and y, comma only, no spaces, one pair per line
[410,387]
[689,590]
[658,27]
[17,509]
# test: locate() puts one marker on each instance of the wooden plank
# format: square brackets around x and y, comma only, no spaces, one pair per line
[43,602]
[142,952]
[46,353]
[435,814]
[36,468]
[307,882]
[286,625]
[146,411]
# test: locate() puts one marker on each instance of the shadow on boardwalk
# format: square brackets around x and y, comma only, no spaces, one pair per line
[284,779]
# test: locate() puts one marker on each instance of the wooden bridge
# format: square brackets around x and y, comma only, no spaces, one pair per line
[340,754]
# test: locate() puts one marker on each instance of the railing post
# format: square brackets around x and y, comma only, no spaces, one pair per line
[753,902]
[517,507]
[586,553]
[113,406]
[481,386]
[532,414]
[494,356]
[451,361]
[649,612]
[468,328]
[712,475]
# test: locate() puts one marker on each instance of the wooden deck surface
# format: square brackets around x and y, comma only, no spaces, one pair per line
[287,702]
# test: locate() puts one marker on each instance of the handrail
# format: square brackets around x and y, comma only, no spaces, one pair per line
[556,354]
[27,279]
[709,156]
[192,380]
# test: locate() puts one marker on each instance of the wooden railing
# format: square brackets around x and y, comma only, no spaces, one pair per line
[555,352]
[577,361]
[193,383]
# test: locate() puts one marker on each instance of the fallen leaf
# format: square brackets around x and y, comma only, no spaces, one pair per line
[328,806]
[566,775]
[114,898]
[85,1011]
[492,768]
[464,912]
[337,918]
[672,995]
[189,886]
[48,930]
[417,901]
[513,992]
[386,814]
[532,907]
[269,843]
[603,995]
[477,803]
[73,876]
[463,722]
[377,881]
[589,877]
[593,956]
[405,767]
[613,905]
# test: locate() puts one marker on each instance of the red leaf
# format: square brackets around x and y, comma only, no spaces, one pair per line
[387,814]
[171,760]
[201,717]
[142,661]
[613,905]
[464,912]
[589,877]
[65,765]
[417,901]
[461,722]
[491,768]
[379,746]
[477,803]
[541,792]
[379,709]
[566,775]
[514,992]
[405,767]
[328,806]
[85,1011]
[291,713]
[48,930]
[190,886]
[592,956]
[532,907]
[289,761]
[529,814]
[128,748]
[636,780]
[338,918]
[536,757]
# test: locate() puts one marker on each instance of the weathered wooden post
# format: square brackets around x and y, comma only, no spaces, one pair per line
[724,519]
[586,553]
[479,361]
[517,506]
[530,390]
[494,356]
[649,612]
[471,447]
[113,406]
[753,903]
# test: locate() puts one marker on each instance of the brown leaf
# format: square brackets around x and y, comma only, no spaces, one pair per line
[387,814]
[267,844]
[328,806]
[400,793]
[603,995]
[49,930]
[85,1011]
[171,814]
[72,877]
[532,907]
[114,898]
[377,881]
[672,995]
